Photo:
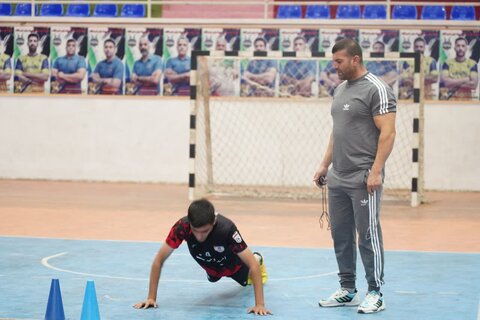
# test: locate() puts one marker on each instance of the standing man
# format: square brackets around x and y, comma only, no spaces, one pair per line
[459,75]
[32,69]
[108,74]
[177,71]
[5,71]
[298,75]
[69,71]
[147,71]
[363,112]
[259,78]
[217,246]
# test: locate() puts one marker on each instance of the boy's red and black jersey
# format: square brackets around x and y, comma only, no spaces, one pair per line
[218,253]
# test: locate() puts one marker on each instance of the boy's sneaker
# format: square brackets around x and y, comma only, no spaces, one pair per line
[340,298]
[373,302]
[263,270]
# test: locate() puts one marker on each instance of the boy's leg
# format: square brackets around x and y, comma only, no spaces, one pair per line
[242,276]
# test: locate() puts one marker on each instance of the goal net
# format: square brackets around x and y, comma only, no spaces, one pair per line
[261,124]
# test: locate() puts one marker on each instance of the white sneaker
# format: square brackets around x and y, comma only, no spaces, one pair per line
[373,302]
[341,298]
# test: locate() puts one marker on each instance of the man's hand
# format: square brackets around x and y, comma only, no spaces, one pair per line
[374,181]
[320,177]
[259,310]
[146,304]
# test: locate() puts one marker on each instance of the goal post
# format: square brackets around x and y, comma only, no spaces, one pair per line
[265,137]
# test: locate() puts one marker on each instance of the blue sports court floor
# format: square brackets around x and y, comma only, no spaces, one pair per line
[420,285]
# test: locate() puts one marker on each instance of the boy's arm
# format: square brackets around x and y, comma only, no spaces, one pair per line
[162,255]
[249,259]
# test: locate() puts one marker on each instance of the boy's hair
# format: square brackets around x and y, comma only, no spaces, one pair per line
[200,213]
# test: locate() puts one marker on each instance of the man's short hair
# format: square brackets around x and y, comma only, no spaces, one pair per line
[461,39]
[380,43]
[300,38]
[71,40]
[351,46]
[109,40]
[262,40]
[144,38]
[33,34]
[184,39]
[201,213]
[419,39]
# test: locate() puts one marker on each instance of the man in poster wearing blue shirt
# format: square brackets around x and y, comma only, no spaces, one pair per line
[147,71]
[177,71]
[386,70]
[259,78]
[108,74]
[69,71]
[298,75]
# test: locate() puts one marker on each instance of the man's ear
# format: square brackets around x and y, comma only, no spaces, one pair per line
[356,59]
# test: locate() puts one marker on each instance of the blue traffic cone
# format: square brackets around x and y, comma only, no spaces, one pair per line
[55,304]
[90,304]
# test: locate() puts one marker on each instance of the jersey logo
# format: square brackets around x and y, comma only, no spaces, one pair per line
[346,107]
[219,248]
[236,236]
[363,202]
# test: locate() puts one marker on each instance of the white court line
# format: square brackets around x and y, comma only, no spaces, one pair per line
[18,319]
[45,263]
[406,292]
[450,293]
[281,247]
[304,277]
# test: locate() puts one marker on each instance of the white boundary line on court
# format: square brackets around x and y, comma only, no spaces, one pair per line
[251,246]
[45,263]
